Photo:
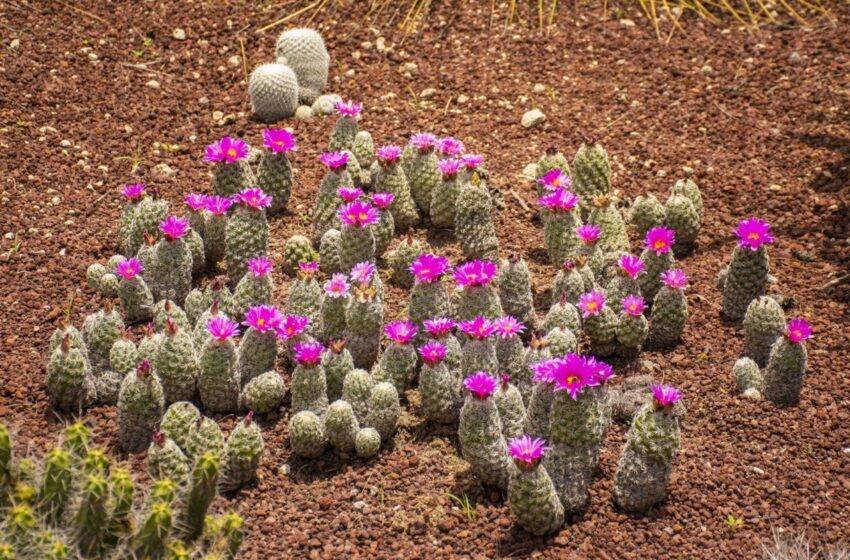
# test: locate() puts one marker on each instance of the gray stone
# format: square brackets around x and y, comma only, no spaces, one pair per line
[533,118]
[164,170]
[178,34]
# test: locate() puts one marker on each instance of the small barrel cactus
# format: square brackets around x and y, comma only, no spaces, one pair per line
[689,189]
[510,352]
[561,340]
[747,375]
[551,161]
[357,236]
[258,348]
[205,437]
[173,273]
[560,225]
[243,452]
[327,199]
[329,247]
[347,126]
[337,363]
[683,218]
[479,352]
[341,426]
[218,381]
[407,251]
[624,282]
[166,460]
[247,232]
[363,149]
[515,291]
[786,367]
[149,213]
[439,388]
[646,213]
[309,384]
[356,390]
[69,378]
[100,331]
[254,289]
[179,422]
[133,194]
[444,196]
[215,231]
[599,322]
[764,322]
[390,178]
[176,364]
[746,277]
[478,294]
[136,297]
[384,230]
[420,167]
[398,361]
[474,221]
[511,408]
[274,173]
[669,311]
[367,443]
[657,258]
[429,297]
[591,173]
[297,250]
[533,498]
[140,407]
[606,216]
[647,459]
[335,300]
[307,434]
[166,309]
[304,51]
[632,326]
[384,410]
[273,88]
[364,319]
[263,394]
[480,432]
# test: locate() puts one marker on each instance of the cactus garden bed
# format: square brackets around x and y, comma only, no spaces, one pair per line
[98,97]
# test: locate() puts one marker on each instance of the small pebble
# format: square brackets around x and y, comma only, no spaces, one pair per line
[533,118]
[428,93]
[178,34]
[153,84]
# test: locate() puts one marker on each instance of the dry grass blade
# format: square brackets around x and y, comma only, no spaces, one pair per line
[293,15]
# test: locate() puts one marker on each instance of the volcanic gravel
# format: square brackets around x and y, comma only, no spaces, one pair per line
[759,118]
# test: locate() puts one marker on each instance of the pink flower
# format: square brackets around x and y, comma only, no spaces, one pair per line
[279,140]
[544,371]
[508,326]
[383,200]
[588,233]
[665,395]
[675,278]
[221,328]
[173,227]
[559,201]
[423,141]
[479,328]
[449,168]
[348,108]
[472,161]
[632,305]
[308,353]
[337,286]
[480,384]
[433,353]
[291,326]
[591,303]
[439,327]
[602,372]
[218,205]
[448,146]
[253,198]
[630,265]
[196,201]
[428,268]
[401,332]
[573,373]
[388,154]
[227,150]
[134,191]
[527,451]
[358,214]
[753,233]
[263,318]
[349,194]
[475,273]
[334,160]
[363,272]
[660,240]
[555,180]
[129,268]
[308,267]
[798,330]
[260,266]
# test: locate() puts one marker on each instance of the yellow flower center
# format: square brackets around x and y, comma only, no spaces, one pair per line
[591,306]
[362,216]
[659,244]
[261,322]
[632,307]
[797,333]
[231,152]
[572,379]
[754,236]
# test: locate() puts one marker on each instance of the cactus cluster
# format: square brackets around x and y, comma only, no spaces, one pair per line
[76,504]
[682,213]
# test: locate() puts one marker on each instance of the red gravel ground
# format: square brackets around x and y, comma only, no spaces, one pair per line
[761,118]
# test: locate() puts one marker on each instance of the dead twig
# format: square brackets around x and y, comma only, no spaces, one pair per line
[835,282]
[85,13]
[519,199]
[294,14]
[244,58]
[144,68]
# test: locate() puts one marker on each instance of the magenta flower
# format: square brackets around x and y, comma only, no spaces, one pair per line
[279,140]
[432,353]
[632,305]
[334,160]
[591,303]
[544,372]
[428,268]
[310,267]
[349,194]
[129,268]
[527,451]
[337,287]
[660,240]
[291,326]
[588,233]
[218,205]
[472,161]
[798,330]
[448,146]
[479,328]
[475,273]
[260,266]
[221,328]
[675,278]
[665,395]
[196,201]
[555,180]
[423,141]
[753,233]
[383,199]
[358,214]
[253,198]
[439,327]
[134,192]
[363,272]
[630,265]
[348,108]
[602,372]
[559,201]
[401,332]
[480,384]
[449,168]
[508,326]
[227,150]
[388,154]
[573,373]
[173,227]
[263,318]
[308,353]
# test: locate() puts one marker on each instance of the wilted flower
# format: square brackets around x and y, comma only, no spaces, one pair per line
[253,198]
[475,273]
[279,140]
[227,150]
[591,303]
[660,240]
[134,191]
[221,328]
[334,160]
[675,278]
[798,330]
[480,384]
[632,305]
[428,267]
[665,395]
[173,227]
[260,266]
[527,451]
[401,331]
[753,233]
[129,268]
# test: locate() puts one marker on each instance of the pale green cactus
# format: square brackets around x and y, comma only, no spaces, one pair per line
[140,407]
[242,454]
[263,394]
[764,323]
[273,89]
[307,434]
